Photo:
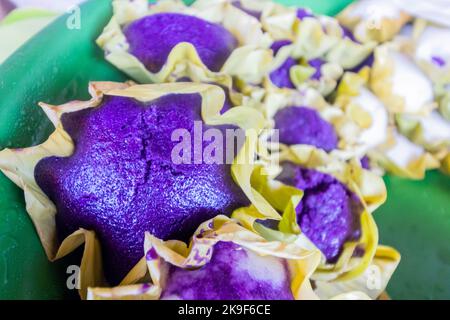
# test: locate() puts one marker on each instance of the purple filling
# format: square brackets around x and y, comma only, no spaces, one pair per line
[233,273]
[304,13]
[302,125]
[253,13]
[365,162]
[439,61]
[121,180]
[153,37]
[329,213]
[281,77]
[317,65]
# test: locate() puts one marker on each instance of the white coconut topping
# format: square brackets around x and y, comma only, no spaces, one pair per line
[431,45]
[375,10]
[404,151]
[410,83]
[407,31]
[377,132]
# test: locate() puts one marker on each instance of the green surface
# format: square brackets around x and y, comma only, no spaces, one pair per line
[416,221]
[55,67]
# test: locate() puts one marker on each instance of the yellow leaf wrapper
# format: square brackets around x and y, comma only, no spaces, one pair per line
[373,20]
[443,99]
[19,164]
[400,83]
[248,62]
[402,157]
[301,73]
[372,282]
[159,255]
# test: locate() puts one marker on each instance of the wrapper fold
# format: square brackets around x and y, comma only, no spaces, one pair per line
[400,83]
[381,140]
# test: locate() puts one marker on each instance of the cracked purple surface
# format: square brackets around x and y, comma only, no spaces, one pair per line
[329,213]
[303,125]
[233,273]
[153,37]
[121,181]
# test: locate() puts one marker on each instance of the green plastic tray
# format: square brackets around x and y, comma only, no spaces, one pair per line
[56,65]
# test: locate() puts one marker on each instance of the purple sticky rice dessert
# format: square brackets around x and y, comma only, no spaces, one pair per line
[227,105]
[281,76]
[302,125]
[329,213]
[277,45]
[233,273]
[121,180]
[152,38]
[365,163]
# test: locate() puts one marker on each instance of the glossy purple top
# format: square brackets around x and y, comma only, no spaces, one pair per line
[152,38]
[329,213]
[121,181]
[233,273]
[303,125]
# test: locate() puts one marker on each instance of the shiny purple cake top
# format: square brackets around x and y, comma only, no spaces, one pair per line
[152,38]
[329,213]
[121,180]
[233,273]
[303,125]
